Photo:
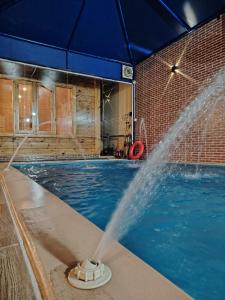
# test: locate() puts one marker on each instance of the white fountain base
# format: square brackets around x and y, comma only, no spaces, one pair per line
[89,274]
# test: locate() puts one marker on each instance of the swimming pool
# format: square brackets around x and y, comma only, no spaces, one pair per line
[181,235]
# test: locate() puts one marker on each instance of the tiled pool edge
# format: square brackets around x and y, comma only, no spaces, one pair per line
[44,219]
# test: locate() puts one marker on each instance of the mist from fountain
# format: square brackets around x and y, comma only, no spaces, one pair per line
[142,189]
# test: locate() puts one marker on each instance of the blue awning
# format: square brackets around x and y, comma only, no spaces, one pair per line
[96,36]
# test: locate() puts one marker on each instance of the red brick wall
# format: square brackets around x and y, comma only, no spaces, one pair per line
[161,96]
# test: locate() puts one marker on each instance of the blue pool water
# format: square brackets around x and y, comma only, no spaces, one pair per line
[182,234]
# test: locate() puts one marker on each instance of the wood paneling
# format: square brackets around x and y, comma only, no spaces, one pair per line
[25,100]
[64,109]
[85,110]
[76,129]
[6,106]
[44,109]
[48,145]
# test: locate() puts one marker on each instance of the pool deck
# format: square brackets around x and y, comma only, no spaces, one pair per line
[55,237]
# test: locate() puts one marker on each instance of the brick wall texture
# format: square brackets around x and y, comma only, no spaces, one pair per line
[162,95]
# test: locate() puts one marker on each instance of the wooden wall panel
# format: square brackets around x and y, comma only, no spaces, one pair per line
[85,110]
[47,146]
[64,118]
[44,109]
[77,124]
[25,98]
[6,106]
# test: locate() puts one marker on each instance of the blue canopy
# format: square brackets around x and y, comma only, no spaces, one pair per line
[96,36]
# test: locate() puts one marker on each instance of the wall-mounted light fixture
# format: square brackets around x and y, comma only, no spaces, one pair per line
[174,69]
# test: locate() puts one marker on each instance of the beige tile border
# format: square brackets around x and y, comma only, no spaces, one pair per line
[55,236]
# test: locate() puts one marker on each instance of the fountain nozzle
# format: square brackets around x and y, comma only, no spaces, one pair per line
[89,274]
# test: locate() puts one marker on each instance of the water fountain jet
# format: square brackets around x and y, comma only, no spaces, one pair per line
[78,144]
[142,128]
[89,274]
[20,145]
[143,187]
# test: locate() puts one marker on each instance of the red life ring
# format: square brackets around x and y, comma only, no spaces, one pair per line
[140,150]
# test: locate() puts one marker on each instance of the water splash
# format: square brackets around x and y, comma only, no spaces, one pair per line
[193,176]
[78,144]
[143,187]
[16,151]
[199,175]
[82,152]
[135,165]
[21,144]
[142,128]
[210,112]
